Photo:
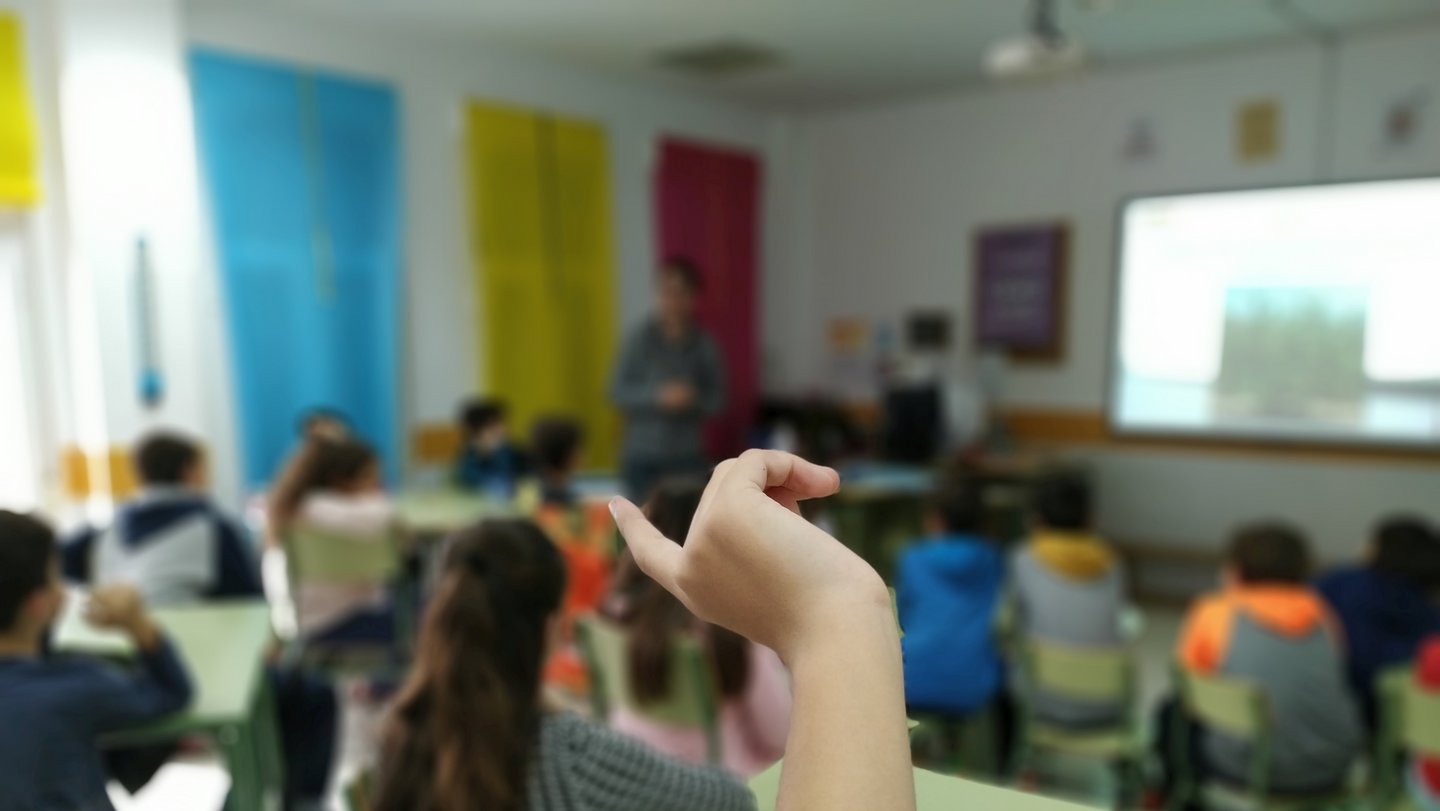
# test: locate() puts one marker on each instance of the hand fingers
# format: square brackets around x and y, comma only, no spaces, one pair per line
[764,470]
[655,554]
[716,478]
[785,498]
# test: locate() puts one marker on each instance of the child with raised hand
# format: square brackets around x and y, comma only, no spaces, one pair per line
[469,729]
[752,564]
[754,692]
[55,708]
[339,490]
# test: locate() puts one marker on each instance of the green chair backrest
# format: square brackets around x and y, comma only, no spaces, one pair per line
[694,692]
[314,555]
[1224,704]
[1420,720]
[359,792]
[1091,674]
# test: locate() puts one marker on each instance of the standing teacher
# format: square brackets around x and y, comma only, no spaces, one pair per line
[669,380]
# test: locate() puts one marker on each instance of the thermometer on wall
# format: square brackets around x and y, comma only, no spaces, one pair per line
[151,379]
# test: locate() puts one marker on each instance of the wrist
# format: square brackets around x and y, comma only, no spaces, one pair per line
[856,619]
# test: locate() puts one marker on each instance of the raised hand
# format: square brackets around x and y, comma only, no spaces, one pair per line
[751,563]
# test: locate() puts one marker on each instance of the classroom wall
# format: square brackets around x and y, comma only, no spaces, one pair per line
[111,174]
[895,191]
[435,77]
[128,149]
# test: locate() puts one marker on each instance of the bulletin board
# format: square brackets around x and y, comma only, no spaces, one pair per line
[1020,290]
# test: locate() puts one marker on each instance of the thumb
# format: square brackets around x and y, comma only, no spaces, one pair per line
[657,556]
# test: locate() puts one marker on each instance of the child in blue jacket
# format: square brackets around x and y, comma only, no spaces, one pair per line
[947,590]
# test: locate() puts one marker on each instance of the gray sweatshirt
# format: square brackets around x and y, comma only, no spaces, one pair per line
[583,766]
[648,362]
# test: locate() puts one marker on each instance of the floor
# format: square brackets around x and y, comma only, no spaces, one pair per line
[200,782]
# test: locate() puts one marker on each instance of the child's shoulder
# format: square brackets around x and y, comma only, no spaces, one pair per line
[1211,608]
[58,675]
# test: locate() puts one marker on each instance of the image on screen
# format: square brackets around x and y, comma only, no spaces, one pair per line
[1306,313]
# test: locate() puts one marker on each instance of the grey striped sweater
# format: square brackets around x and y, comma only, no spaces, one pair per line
[582,766]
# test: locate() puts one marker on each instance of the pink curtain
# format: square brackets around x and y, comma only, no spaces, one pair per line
[706,207]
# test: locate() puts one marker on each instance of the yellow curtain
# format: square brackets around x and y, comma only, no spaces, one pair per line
[540,218]
[18,182]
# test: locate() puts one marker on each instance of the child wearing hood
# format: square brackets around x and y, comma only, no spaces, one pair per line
[947,591]
[1068,588]
[1268,627]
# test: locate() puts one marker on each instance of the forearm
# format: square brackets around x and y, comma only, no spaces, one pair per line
[848,746]
[160,686]
[168,673]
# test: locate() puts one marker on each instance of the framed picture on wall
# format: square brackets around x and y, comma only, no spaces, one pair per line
[1020,289]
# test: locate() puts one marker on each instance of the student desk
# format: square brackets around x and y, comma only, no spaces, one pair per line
[431,515]
[934,792]
[438,512]
[442,510]
[223,646]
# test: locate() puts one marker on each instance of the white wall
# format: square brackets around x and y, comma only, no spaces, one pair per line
[131,174]
[128,175]
[897,190]
[435,78]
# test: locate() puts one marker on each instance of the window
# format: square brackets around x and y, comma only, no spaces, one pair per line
[19,469]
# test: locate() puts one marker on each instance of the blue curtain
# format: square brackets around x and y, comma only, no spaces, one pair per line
[303,176]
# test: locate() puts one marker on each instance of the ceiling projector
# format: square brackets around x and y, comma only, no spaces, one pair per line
[1042,51]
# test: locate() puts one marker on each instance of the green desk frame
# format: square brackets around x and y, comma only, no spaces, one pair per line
[443,511]
[223,646]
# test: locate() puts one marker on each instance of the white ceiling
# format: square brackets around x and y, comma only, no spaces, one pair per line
[841,50]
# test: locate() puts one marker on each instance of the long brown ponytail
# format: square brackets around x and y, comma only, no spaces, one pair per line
[654,617]
[322,464]
[464,727]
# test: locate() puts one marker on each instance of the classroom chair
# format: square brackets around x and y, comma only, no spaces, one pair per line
[958,745]
[319,556]
[1409,725]
[1238,708]
[694,700]
[359,792]
[1104,675]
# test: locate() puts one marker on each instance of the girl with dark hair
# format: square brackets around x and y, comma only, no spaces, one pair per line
[336,488]
[754,687]
[469,731]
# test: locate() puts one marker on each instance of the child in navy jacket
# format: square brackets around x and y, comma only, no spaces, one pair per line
[55,708]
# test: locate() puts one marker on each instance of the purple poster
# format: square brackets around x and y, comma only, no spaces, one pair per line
[1019,288]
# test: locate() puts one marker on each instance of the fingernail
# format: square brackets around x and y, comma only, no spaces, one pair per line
[615,508]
